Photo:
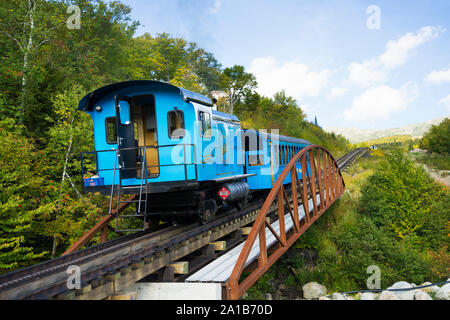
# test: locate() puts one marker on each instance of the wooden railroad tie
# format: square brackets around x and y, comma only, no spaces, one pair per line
[180,267]
[124,296]
[246,231]
[219,245]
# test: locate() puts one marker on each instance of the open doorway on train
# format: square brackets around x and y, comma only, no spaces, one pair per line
[143,115]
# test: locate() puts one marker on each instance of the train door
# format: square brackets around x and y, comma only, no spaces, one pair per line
[205,126]
[143,115]
[221,158]
[125,141]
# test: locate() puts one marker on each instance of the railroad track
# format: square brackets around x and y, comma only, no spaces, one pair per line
[345,161]
[111,267]
[134,256]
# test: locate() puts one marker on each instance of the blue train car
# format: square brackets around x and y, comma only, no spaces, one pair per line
[167,141]
[267,156]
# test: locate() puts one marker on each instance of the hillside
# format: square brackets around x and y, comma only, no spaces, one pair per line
[359,135]
[390,139]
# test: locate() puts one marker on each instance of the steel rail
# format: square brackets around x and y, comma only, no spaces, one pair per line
[347,159]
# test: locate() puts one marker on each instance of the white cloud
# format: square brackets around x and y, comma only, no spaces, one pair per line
[298,80]
[396,54]
[379,103]
[446,102]
[438,76]
[217,7]
[337,92]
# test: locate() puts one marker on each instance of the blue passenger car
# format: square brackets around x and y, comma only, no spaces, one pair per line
[267,155]
[166,141]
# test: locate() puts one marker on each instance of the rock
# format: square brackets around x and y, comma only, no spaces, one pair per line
[313,290]
[337,296]
[324,298]
[278,295]
[432,289]
[348,297]
[387,295]
[421,295]
[403,295]
[367,296]
[443,293]
[269,296]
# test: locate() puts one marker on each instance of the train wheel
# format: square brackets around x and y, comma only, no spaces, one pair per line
[153,223]
[208,210]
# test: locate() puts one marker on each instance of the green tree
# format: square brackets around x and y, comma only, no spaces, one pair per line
[437,139]
[236,83]
[400,196]
[19,198]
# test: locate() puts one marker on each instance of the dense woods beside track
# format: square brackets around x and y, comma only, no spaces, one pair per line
[47,68]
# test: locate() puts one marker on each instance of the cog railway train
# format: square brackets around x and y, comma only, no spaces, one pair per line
[180,157]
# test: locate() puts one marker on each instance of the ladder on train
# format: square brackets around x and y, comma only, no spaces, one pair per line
[118,192]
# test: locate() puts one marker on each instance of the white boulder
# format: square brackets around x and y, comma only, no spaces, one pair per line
[367,296]
[313,290]
[387,295]
[338,296]
[422,295]
[403,295]
[443,293]
[432,289]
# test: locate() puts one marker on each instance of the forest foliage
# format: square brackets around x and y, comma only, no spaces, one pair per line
[46,68]
[437,139]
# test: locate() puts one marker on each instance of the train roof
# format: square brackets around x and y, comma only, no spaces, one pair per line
[224,116]
[89,101]
[280,137]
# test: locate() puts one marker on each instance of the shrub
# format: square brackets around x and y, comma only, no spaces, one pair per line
[399,196]
[438,138]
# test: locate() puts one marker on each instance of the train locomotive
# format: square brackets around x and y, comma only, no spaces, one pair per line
[179,156]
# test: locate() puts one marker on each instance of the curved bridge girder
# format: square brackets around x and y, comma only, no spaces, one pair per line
[322,185]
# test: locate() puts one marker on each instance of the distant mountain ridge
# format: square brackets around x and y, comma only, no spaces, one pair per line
[355,135]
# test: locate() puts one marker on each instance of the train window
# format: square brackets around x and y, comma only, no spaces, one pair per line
[111,131]
[175,124]
[251,141]
[205,123]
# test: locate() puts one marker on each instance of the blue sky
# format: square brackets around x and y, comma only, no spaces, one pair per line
[324,54]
